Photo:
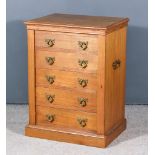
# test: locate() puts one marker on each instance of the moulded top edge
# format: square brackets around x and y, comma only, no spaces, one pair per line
[79,21]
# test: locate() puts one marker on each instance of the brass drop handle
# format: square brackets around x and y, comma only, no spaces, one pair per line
[50,117]
[116,64]
[50,79]
[50,60]
[50,98]
[83,45]
[50,42]
[82,122]
[83,101]
[83,82]
[83,63]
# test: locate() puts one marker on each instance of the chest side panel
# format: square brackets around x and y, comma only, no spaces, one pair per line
[115,78]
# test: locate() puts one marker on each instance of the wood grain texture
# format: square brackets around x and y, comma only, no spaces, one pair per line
[103,117]
[65,118]
[66,98]
[73,136]
[115,79]
[65,79]
[67,41]
[66,61]
[79,21]
[66,30]
[31,76]
[101,86]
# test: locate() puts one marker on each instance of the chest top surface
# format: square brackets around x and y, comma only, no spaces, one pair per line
[79,21]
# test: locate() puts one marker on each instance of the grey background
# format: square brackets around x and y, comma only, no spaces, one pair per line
[137,44]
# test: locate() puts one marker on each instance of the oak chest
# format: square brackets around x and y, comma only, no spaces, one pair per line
[76,78]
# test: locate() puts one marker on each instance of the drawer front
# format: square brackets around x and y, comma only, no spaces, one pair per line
[55,40]
[65,118]
[63,98]
[66,61]
[55,78]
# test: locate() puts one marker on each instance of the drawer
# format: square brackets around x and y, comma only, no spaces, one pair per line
[55,78]
[57,40]
[64,98]
[65,118]
[66,61]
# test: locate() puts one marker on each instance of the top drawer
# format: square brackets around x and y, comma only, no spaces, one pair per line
[56,40]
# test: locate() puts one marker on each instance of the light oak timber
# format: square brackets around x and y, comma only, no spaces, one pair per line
[73,136]
[31,76]
[88,31]
[66,98]
[65,118]
[115,79]
[65,79]
[60,116]
[70,61]
[68,41]
[75,51]
[65,30]
[101,86]
[77,23]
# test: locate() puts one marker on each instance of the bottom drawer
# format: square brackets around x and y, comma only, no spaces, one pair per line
[65,118]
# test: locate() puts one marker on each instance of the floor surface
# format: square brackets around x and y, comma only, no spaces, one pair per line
[133,141]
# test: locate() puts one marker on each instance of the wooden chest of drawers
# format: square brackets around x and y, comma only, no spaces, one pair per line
[76,78]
